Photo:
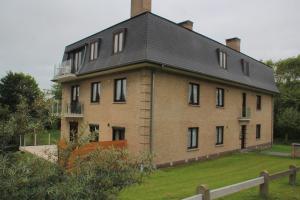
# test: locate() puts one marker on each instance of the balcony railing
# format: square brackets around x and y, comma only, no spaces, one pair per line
[75,109]
[56,108]
[64,70]
[245,114]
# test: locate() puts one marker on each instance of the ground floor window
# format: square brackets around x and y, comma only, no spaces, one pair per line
[118,133]
[258,127]
[94,131]
[192,138]
[73,131]
[219,135]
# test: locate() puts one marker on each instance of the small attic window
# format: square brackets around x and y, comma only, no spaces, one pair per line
[245,67]
[94,50]
[222,59]
[118,41]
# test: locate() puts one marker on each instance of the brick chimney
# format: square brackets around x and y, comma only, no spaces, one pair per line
[187,24]
[140,6]
[234,43]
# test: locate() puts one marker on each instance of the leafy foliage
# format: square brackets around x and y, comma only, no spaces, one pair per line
[287,103]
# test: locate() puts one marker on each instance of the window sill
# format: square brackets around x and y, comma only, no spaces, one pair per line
[221,107]
[94,103]
[194,105]
[219,145]
[195,149]
[119,102]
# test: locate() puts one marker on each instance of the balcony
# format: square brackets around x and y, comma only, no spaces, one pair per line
[74,110]
[56,108]
[245,115]
[64,72]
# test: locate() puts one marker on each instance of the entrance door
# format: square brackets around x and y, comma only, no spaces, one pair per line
[244,105]
[243,136]
[73,131]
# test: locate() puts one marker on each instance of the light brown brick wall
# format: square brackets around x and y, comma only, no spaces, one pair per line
[173,116]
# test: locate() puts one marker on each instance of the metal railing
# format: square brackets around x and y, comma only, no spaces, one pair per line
[246,113]
[64,68]
[56,108]
[75,108]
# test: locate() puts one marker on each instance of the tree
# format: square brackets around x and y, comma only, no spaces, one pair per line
[287,103]
[15,86]
[56,91]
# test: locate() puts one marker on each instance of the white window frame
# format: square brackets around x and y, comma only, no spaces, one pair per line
[223,59]
[119,39]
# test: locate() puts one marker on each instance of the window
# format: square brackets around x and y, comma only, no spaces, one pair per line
[245,67]
[222,59]
[258,127]
[220,97]
[75,93]
[118,133]
[219,135]
[95,92]
[119,42]
[77,60]
[194,94]
[94,131]
[258,102]
[94,50]
[192,138]
[120,90]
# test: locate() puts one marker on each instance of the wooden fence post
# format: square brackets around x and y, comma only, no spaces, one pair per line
[203,189]
[264,188]
[292,177]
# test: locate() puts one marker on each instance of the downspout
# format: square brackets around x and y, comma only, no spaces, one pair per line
[151,111]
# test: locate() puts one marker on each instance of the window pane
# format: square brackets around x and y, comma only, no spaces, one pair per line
[124,88]
[220,97]
[121,41]
[76,62]
[96,50]
[217,97]
[189,138]
[98,89]
[220,59]
[94,92]
[194,138]
[74,94]
[118,92]
[92,52]
[116,43]
[195,94]
[224,60]
[190,94]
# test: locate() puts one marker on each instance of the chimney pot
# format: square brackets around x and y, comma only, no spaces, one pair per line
[187,24]
[234,43]
[140,6]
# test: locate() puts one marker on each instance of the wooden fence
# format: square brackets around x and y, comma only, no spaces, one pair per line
[203,193]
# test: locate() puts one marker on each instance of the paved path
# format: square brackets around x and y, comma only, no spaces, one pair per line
[47,152]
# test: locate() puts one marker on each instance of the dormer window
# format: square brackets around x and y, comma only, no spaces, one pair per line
[119,40]
[77,60]
[223,59]
[245,67]
[94,49]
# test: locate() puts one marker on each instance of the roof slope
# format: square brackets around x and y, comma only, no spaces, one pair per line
[155,39]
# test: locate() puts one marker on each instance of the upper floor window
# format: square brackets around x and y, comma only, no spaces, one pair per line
[258,102]
[193,93]
[94,131]
[120,90]
[219,135]
[245,67]
[258,128]
[75,93]
[119,40]
[77,60]
[220,97]
[95,92]
[192,138]
[94,50]
[118,133]
[222,59]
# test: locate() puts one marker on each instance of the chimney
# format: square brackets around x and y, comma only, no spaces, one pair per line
[140,6]
[234,43]
[187,24]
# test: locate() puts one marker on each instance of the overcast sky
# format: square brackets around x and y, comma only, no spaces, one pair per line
[33,33]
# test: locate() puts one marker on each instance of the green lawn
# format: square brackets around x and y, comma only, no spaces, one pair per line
[280,148]
[180,182]
[43,138]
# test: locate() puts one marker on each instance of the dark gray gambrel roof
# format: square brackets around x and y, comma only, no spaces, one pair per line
[151,38]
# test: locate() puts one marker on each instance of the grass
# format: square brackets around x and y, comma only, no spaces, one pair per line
[280,148]
[43,138]
[180,182]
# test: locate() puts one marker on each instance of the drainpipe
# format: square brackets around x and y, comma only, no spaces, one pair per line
[151,110]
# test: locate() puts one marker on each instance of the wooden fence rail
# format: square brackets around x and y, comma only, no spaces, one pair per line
[204,193]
